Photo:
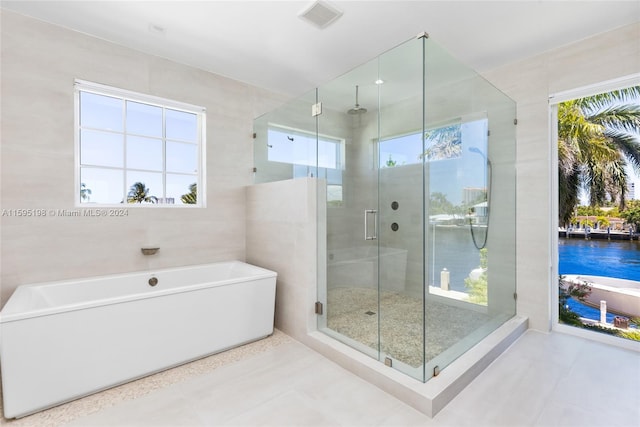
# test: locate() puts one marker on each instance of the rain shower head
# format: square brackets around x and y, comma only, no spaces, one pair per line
[357,109]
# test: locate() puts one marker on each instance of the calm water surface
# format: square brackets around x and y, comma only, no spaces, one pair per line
[619,259]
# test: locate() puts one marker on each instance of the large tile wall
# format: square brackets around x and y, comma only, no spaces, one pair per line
[281,236]
[39,64]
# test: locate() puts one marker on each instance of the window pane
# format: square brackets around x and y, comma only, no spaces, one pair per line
[129,144]
[100,112]
[403,150]
[291,148]
[443,143]
[327,154]
[182,157]
[144,153]
[182,126]
[144,119]
[144,187]
[300,149]
[179,188]
[101,148]
[101,185]
[334,195]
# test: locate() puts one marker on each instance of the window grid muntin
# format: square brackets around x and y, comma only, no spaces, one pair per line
[164,104]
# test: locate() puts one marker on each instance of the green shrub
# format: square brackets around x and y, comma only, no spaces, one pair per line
[478,287]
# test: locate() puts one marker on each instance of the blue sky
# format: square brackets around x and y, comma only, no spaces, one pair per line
[156,138]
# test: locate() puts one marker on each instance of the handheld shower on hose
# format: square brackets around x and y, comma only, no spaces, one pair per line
[489,172]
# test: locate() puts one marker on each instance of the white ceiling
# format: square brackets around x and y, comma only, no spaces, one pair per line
[266,44]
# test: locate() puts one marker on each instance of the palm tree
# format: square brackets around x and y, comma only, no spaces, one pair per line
[85,193]
[139,193]
[191,198]
[444,143]
[598,136]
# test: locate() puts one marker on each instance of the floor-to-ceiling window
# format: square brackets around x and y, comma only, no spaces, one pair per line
[596,137]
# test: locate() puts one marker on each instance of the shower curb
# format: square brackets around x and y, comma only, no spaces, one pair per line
[429,397]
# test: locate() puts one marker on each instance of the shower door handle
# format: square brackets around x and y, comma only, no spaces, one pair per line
[367,236]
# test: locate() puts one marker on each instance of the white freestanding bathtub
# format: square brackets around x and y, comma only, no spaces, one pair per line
[63,340]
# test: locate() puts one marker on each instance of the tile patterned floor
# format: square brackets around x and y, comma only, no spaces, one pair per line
[541,380]
[352,313]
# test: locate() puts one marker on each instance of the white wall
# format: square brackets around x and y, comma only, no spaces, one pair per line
[529,83]
[39,64]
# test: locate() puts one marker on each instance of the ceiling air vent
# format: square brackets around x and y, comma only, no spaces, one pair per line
[321,14]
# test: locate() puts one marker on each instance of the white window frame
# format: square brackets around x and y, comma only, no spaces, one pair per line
[127,95]
[554,100]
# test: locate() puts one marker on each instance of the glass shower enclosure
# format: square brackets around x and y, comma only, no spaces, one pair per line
[414,155]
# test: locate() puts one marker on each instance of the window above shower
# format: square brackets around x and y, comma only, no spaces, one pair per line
[137,149]
[286,146]
[309,155]
[301,148]
[444,142]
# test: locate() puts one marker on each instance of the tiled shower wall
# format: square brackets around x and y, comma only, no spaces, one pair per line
[39,64]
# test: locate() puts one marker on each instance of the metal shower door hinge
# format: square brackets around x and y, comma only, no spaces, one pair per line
[316,109]
[515,121]
[515,295]
[318,308]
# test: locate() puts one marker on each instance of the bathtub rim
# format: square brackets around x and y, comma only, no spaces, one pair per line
[7,316]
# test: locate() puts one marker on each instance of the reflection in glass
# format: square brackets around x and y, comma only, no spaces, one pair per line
[144,119]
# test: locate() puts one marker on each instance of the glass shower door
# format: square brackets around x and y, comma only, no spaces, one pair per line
[350,245]
[374,239]
[400,171]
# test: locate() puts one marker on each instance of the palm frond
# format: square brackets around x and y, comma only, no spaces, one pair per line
[603,100]
[624,116]
[628,144]
[598,137]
